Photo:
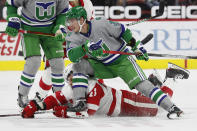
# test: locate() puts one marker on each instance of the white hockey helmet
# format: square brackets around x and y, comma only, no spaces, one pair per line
[68,71]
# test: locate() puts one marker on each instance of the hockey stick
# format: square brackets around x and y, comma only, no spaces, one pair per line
[159,13]
[33,32]
[172,56]
[143,42]
[153,54]
[69,114]
[18,114]
[146,40]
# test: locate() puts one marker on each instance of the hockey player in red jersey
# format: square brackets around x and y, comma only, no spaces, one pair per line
[104,100]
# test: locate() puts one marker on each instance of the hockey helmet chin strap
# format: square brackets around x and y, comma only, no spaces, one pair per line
[81,25]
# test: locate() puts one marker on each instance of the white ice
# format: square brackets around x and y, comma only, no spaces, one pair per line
[185,96]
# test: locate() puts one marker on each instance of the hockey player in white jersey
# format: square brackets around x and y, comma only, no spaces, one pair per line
[42,16]
[45,83]
[104,100]
[91,38]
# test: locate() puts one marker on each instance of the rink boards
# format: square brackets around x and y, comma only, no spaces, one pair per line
[177,37]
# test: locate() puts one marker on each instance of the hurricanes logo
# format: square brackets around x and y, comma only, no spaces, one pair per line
[45,10]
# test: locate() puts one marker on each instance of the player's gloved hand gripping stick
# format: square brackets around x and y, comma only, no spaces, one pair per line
[94,49]
[140,53]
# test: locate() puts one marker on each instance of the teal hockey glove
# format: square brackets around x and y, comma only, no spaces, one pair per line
[141,53]
[94,49]
[14,24]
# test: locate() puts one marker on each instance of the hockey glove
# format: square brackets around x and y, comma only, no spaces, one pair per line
[80,105]
[93,49]
[14,24]
[141,53]
[30,109]
[60,111]
[60,33]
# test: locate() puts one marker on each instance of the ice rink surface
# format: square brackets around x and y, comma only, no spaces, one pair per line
[185,96]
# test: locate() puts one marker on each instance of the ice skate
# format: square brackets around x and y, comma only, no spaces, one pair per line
[22,101]
[174,112]
[155,79]
[176,72]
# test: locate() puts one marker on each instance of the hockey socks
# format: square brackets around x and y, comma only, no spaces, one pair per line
[26,83]
[57,82]
[79,85]
[156,94]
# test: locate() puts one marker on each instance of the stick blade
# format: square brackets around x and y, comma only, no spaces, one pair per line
[147,39]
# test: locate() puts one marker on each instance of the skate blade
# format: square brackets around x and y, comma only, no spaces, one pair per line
[171,65]
[175,116]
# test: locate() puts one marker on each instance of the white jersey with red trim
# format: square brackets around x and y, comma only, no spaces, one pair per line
[103,100]
[100,99]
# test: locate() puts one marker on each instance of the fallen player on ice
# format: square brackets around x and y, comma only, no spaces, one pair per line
[104,100]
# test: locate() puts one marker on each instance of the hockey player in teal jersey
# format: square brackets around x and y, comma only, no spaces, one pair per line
[90,38]
[45,16]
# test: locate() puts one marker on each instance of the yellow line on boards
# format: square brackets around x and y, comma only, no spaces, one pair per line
[152,63]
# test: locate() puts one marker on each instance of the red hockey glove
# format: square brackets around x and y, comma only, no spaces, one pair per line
[29,110]
[60,111]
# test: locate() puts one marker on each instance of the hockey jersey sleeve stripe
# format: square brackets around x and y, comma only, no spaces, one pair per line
[113,57]
[113,104]
[139,104]
[117,108]
[123,30]
[93,106]
[64,11]
[123,44]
